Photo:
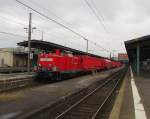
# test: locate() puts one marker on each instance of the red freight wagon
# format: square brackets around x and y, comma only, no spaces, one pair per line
[118,64]
[113,64]
[92,63]
[108,63]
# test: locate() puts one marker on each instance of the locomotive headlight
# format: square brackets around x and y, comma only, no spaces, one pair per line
[54,68]
[49,65]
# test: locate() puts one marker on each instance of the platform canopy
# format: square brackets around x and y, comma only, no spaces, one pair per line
[49,46]
[138,50]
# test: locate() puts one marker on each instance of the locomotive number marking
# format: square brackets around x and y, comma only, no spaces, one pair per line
[46,59]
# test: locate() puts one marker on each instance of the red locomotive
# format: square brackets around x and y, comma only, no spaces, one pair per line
[57,65]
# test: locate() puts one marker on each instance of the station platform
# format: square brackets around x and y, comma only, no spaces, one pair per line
[12,69]
[133,101]
[15,80]
[24,101]
[15,76]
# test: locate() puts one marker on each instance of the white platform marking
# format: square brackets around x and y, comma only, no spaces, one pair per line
[139,109]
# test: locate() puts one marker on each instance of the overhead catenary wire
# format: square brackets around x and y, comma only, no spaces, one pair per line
[56,16]
[8,40]
[11,20]
[42,14]
[60,24]
[14,21]
[21,24]
[98,11]
[49,11]
[99,46]
[100,19]
[45,9]
[52,13]
[67,23]
[3,18]
[12,34]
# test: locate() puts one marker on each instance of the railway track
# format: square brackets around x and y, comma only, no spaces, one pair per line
[11,83]
[89,107]
[84,104]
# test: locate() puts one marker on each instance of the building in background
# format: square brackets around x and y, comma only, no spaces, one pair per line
[14,57]
[114,58]
[123,57]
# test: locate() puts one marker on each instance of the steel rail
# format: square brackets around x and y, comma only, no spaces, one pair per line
[108,96]
[85,97]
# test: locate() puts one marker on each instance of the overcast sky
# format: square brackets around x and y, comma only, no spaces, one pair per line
[123,20]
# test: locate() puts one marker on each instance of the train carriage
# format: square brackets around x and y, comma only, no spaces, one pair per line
[55,65]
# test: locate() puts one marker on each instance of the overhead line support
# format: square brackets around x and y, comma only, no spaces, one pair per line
[42,14]
[29,42]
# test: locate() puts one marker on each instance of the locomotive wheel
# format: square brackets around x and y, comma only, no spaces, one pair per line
[56,76]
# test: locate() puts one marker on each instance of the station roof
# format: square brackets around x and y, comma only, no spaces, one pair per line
[144,44]
[45,45]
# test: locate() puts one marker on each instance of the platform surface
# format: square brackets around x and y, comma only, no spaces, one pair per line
[12,76]
[143,85]
[127,106]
